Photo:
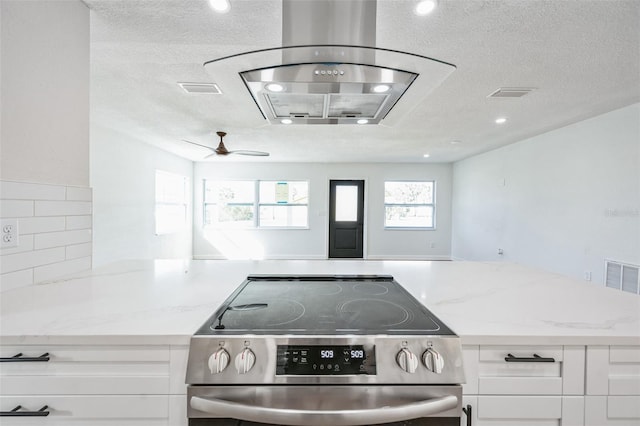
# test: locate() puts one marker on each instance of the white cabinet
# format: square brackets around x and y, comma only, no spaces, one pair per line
[524,385]
[95,385]
[613,386]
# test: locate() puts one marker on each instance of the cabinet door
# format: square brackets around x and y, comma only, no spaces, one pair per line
[613,370]
[612,410]
[525,410]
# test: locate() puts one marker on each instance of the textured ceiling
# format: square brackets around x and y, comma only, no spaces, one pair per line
[583,58]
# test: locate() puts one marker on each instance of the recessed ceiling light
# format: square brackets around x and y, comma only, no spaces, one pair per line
[501,120]
[274,87]
[381,88]
[455,142]
[220,6]
[426,7]
[363,121]
[286,121]
[426,155]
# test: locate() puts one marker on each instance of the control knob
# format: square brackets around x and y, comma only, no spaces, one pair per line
[433,360]
[245,361]
[218,361]
[407,360]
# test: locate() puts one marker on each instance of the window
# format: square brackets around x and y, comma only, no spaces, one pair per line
[409,204]
[229,203]
[283,204]
[171,202]
[256,204]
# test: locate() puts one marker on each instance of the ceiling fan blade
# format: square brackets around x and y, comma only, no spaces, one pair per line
[252,153]
[198,144]
[213,154]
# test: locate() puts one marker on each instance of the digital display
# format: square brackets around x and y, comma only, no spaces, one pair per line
[325,360]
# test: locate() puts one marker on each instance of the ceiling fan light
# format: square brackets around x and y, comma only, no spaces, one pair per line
[425,7]
[501,120]
[220,6]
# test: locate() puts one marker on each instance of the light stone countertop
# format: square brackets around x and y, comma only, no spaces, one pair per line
[165,301]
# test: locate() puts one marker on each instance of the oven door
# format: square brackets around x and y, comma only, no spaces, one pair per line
[325,405]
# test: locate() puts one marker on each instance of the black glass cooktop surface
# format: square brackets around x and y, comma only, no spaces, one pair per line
[322,305]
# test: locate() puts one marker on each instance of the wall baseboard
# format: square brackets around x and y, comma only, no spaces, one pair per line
[409,257]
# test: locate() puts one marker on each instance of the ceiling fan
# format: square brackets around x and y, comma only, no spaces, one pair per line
[222,150]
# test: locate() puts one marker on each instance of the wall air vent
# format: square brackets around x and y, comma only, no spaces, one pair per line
[622,276]
[202,88]
[511,92]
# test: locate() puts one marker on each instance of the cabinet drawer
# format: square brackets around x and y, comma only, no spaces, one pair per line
[88,410]
[88,370]
[73,359]
[517,370]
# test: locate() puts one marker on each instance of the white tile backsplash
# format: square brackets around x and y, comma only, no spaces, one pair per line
[31,259]
[31,191]
[62,208]
[54,232]
[16,208]
[75,193]
[36,225]
[57,270]
[61,239]
[79,222]
[78,250]
[25,243]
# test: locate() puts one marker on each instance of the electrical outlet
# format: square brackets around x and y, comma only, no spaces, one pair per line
[9,229]
[587,275]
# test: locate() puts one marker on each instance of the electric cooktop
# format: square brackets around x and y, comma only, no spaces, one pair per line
[322,305]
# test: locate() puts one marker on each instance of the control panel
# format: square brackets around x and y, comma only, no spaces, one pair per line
[325,360]
[331,360]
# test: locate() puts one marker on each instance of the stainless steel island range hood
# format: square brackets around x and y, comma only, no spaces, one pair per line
[330,71]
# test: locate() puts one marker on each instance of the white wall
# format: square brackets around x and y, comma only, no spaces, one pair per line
[123,180]
[45,92]
[312,243]
[44,139]
[563,201]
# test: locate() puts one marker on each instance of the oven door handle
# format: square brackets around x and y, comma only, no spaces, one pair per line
[286,416]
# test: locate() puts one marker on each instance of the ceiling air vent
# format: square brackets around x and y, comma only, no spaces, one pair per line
[203,88]
[510,92]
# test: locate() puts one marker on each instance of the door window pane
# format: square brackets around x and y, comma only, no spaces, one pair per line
[346,203]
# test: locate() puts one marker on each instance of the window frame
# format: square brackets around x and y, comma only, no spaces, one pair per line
[432,205]
[255,205]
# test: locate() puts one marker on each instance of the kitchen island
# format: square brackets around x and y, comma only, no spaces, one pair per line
[117,338]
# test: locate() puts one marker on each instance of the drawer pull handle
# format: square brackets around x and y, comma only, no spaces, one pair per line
[17,413]
[19,358]
[467,412]
[534,358]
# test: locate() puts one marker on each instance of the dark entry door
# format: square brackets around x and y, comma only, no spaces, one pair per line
[346,218]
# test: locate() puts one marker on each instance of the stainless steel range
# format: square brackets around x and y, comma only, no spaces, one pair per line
[324,350]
